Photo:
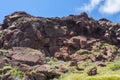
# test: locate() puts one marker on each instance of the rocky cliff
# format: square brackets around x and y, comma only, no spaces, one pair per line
[75,31]
[60,38]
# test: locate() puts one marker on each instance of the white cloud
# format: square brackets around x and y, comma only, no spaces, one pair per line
[110,7]
[89,7]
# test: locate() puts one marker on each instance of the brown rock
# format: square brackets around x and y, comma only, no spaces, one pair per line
[93,58]
[73,63]
[78,58]
[39,76]
[27,55]
[92,71]
[26,58]
[48,71]
[62,56]
[63,69]
[101,64]
[2,62]
[24,67]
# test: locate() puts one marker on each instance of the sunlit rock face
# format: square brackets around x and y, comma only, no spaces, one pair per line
[56,35]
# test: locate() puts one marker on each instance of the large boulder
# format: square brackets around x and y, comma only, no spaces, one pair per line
[26,56]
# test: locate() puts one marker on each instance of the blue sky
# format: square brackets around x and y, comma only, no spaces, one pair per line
[97,9]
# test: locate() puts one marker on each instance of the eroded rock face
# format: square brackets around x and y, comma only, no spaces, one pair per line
[52,34]
[45,48]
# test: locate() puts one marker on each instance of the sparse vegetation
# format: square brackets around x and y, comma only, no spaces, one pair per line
[14,72]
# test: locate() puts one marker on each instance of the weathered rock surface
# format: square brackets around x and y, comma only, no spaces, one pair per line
[75,31]
[27,55]
[22,57]
[75,39]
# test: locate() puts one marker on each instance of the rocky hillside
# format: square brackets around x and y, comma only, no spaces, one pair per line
[38,48]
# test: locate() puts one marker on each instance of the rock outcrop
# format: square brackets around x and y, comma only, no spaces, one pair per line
[45,48]
[53,34]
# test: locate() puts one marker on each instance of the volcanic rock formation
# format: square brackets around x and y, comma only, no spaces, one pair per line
[56,34]
[29,40]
